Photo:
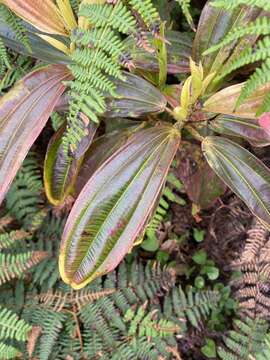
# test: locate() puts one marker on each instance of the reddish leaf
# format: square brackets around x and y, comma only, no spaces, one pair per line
[201,183]
[42,14]
[114,205]
[24,111]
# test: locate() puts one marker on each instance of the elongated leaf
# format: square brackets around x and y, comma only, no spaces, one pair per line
[136,97]
[246,175]
[24,112]
[101,149]
[214,24]
[248,129]
[42,14]
[201,183]
[41,49]
[114,205]
[60,169]
[178,51]
[224,101]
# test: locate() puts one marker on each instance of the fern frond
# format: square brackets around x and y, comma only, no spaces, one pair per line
[147,12]
[244,341]
[264,354]
[16,26]
[8,352]
[260,77]
[15,265]
[7,240]
[230,5]
[11,327]
[261,26]
[23,199]
[185,6]
[194,306]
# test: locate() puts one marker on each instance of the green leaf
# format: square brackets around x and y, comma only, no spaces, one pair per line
[24,111]
[199,282]
[248,129]
[209,349]
[246,175]
[211,271]
[136,97]
[200,257]
[60,169]
[115,204]
[198,235]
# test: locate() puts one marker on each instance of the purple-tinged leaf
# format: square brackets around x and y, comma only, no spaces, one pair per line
[24,111]
[115,204]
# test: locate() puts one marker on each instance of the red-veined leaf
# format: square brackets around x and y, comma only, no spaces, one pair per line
[42,14]
[115,204]
[246,175]
[24,111]
[248,129]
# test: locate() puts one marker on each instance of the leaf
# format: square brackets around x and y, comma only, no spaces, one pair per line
[202,185]
[24,111]
[42,14]
[248,129]
[41,49]
[60,169]
[136,97]
[246,175]
[101,149]
[214,24]
[224,101]
[115,204]
[178,50]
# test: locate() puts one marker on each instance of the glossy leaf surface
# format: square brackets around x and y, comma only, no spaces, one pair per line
[224,101]
[24,111]
[101,149]
[178,50]
[41,49]
[214,24]
[115,204]
[136,97]
[248,129]
[201,183]
[42,14]
[246,175]
[61,169]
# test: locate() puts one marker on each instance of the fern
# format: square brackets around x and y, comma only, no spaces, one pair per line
[23,200]
[192,306]
[15,24]
[151,242]
[264,354]
[244,341]
[230,5]
[97,60]
[8,352]
[259,28]
[11,327]
[185,6]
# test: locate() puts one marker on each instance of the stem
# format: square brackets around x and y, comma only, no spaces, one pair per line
[194,133]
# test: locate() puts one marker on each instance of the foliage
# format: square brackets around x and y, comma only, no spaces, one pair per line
[250,54]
